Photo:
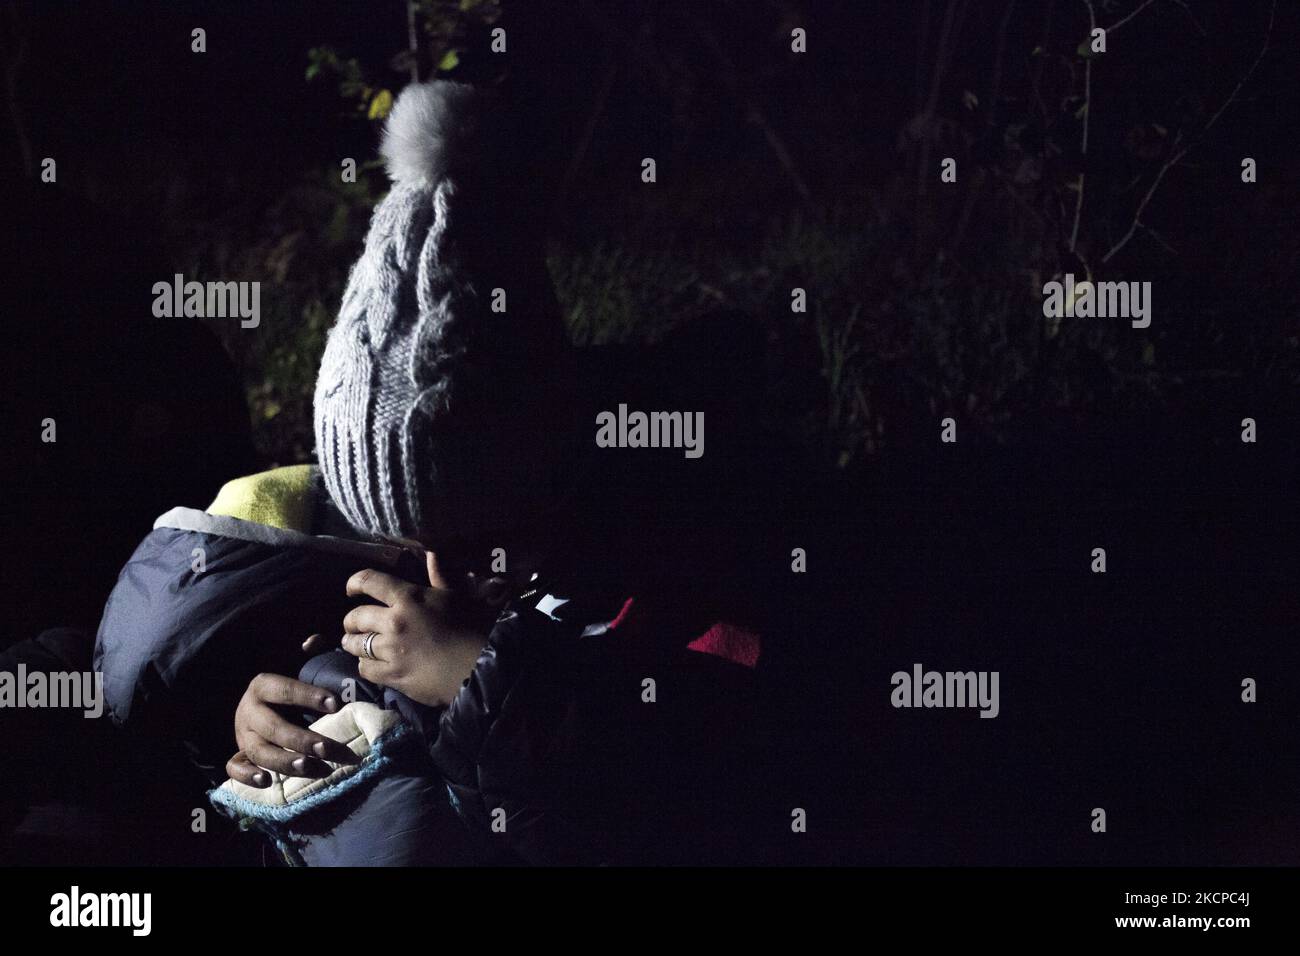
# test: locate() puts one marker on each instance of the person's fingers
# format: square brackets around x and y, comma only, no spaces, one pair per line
[381,649]
[377,672]
[270,757]
[257,721]
[240,768]
[265,723]
[380,586]
[367,618]
[436,580]
[285,691]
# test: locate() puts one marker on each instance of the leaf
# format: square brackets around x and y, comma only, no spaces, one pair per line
[1149,354]
[1084,49]
[449,61]
[1081,112]
[381,104]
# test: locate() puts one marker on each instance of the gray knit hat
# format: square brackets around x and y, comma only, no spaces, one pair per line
[432,398]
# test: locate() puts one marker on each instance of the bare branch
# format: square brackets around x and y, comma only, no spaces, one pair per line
[1178,154]
[1137,216]
[1186,9]
[1268,35]
[754,114]
[412,41]
[942,57]
[990,123]
[1111,29]
[588,130]
[13,65]
[922,42]
[1087,116]
[1159,238]
[1181,3]
[995,86]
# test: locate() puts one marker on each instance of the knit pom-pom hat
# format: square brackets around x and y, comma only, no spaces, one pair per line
[431,405]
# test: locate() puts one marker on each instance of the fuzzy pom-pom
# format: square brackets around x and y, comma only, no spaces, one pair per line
[432,129]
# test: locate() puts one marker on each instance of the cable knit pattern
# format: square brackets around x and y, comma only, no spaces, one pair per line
[421,381]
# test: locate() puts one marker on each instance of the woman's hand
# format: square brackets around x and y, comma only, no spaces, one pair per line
[416,649]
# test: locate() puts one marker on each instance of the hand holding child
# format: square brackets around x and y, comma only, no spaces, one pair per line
[410,642]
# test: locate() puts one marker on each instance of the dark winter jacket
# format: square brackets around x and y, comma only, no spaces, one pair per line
[577,739]
[209,600]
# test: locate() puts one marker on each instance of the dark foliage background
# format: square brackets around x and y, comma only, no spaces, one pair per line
[776,170]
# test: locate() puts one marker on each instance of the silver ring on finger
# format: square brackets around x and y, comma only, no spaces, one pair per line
[367,649]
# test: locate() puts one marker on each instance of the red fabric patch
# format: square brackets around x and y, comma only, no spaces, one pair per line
[734,643]
[622,614]
[721,640]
